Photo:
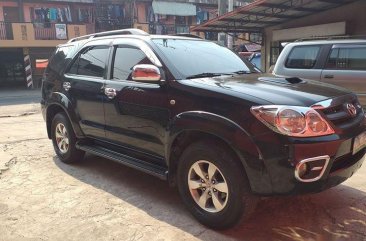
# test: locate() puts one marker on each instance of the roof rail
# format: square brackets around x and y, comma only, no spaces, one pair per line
[132,31]
[332,37]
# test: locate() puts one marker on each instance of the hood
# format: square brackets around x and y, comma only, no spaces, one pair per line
[273,90]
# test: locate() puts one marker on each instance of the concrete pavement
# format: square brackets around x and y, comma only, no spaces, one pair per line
[19,102]
[42,198]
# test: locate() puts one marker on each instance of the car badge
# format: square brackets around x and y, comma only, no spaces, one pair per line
[351,109]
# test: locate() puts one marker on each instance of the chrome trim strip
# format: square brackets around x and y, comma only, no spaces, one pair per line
[326,158]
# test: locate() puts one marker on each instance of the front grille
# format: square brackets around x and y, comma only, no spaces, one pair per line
[340,116]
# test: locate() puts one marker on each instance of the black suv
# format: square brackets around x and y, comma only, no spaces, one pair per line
[191,112]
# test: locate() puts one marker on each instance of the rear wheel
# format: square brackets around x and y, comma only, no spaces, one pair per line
[213,185]
[64,139]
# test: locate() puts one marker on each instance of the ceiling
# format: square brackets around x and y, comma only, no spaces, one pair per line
[254,17]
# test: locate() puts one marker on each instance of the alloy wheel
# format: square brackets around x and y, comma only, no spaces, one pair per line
[208,186]
[62,138]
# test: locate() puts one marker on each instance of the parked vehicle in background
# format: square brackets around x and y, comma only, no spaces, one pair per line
[191,112]
[255,59]
[338,62]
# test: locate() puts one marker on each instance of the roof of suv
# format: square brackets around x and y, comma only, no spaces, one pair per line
[330,41]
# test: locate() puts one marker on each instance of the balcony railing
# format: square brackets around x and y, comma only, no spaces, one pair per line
[39,34]
[160,28]
[45,31]
[6,31]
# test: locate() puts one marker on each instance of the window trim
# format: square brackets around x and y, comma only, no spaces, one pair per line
[304,46]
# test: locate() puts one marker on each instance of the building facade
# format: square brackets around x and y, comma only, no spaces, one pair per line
[31,29]
[29,32]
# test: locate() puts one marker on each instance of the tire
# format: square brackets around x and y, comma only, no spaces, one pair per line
[223,207]
[64,139]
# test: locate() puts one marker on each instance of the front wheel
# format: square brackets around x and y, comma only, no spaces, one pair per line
[213,185]
[64,139]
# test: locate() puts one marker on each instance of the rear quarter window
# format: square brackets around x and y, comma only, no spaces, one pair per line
[57,61]
[302,57]
[347,58]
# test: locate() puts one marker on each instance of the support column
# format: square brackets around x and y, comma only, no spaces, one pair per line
[230,39]
[221,10]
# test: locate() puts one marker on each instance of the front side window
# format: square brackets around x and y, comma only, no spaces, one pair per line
[302,57]
[125,58]
[347,58]
[91,62]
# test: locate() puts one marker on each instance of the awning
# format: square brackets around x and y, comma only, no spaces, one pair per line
[173,8]
[255,17]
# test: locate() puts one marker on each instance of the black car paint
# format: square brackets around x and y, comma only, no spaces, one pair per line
[146,123]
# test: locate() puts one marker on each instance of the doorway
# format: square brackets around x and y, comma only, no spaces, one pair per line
[12,68]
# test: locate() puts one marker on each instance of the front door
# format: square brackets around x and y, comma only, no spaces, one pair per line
[11,14]
[86,78]
[138,114]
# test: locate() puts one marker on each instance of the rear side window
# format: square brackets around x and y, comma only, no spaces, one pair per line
[302,57]
[125,58]
[91,62]
[352,58]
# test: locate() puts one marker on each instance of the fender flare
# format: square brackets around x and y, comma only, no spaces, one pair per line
[228,131]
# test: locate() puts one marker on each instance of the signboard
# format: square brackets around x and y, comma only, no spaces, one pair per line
[61,32]
[330,29]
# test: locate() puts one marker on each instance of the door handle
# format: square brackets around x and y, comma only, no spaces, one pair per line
[328,76]
[66,86]
[110,92]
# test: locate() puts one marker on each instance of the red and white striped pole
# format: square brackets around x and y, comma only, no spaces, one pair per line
[28,71]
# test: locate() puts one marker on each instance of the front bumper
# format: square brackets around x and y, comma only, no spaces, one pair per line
[280,162]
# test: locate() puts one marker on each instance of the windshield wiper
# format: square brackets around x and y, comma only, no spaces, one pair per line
[203,75]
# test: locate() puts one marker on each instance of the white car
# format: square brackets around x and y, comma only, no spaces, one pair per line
[338,62]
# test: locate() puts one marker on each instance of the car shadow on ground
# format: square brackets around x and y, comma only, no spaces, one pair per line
[335,214]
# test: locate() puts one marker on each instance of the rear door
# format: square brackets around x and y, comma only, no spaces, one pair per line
[138,114]
[84,85]
[346,67]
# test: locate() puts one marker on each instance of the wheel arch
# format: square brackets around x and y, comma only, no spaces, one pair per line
[194,126]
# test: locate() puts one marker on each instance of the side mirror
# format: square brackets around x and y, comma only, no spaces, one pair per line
[146,73]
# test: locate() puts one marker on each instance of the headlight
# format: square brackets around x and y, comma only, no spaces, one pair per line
[293,120]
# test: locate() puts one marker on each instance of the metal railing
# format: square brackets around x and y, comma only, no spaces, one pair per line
[160,28]
[6,31]
[45,31]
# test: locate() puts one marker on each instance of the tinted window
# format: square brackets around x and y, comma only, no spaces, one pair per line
[125,59]
[192,57]
[57,61]
[347,58]
[91,62]
[303,57]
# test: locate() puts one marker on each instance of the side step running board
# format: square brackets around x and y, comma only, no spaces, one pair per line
[138,164]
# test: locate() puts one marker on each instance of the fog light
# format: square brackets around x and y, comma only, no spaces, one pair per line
[302,169]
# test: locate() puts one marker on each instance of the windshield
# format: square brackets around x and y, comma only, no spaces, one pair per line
[195,57]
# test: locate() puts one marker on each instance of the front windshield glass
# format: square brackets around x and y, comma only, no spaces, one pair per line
[195,57]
